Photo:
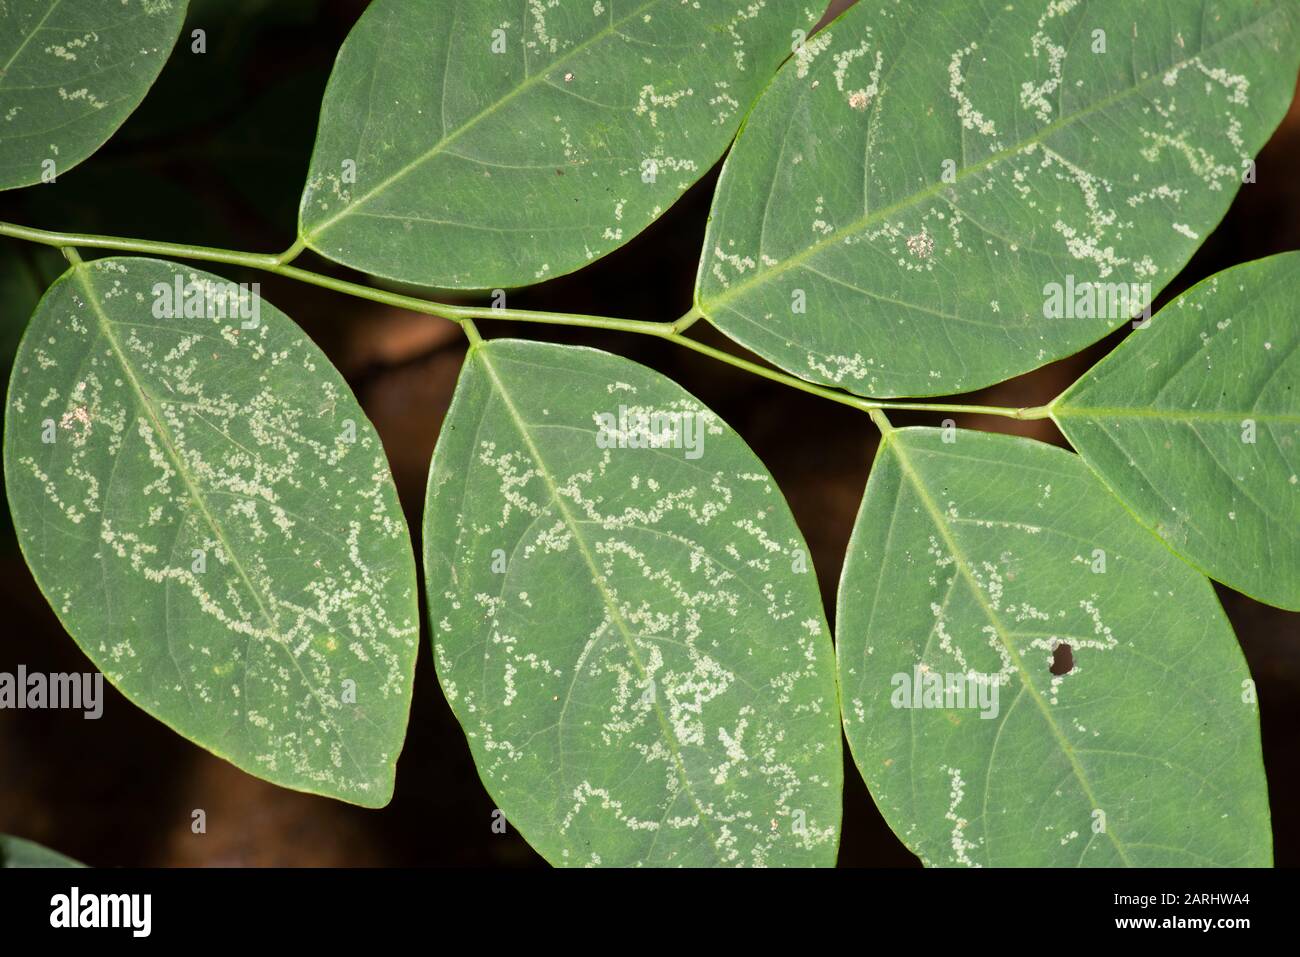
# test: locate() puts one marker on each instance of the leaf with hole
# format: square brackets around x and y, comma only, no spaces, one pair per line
[983,739]
[71,72]
[484,143]
[625,619]
[1194,421]
[211,516]
[934,197]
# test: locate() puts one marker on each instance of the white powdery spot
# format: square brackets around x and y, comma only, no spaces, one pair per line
[961,846]
[82,95]
[859,99]
[537,18]
[971,118]
[748,12]
[1236,84]
[741,264]
[1035,96]
[585,792]
[726,103]
[837,368]
[649,102]
[1204,164]
[733,745]
[807,52]
[921,245]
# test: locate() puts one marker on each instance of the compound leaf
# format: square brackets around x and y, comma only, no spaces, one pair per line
[1106,717]
[632,637]
[71,72]
[212,518]
[483,143]
[916,202]
[1194,421]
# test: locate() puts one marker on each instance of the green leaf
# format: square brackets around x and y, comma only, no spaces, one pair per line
[1194,422]
[71,72]
[16,852]
[25,272]
[442,162]
[901,198]
[984,557]
[631,637]
[211,516]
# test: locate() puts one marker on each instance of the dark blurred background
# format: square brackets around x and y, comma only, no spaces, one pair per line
[217,155]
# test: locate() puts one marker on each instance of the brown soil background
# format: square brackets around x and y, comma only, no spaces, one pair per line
[217,156]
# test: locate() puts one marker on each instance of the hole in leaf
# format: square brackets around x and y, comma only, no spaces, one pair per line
[1062,659]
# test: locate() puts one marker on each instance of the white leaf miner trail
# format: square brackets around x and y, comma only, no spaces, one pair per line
[897,206]
[629,632]
[975,560]
[212,518]
[71,72]
[495,143]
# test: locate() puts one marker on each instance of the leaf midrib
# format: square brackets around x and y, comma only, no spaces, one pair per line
[611,606]
[863,222]
[446,140]
[936,516]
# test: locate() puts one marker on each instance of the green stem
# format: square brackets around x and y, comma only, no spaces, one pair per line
[471,333]
[882,423]
[180,250]
[279,264]
[846,398]
[689,319]
[460,314]
[834,395]
[292,253]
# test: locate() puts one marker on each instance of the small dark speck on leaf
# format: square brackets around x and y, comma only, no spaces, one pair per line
[1062,659]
